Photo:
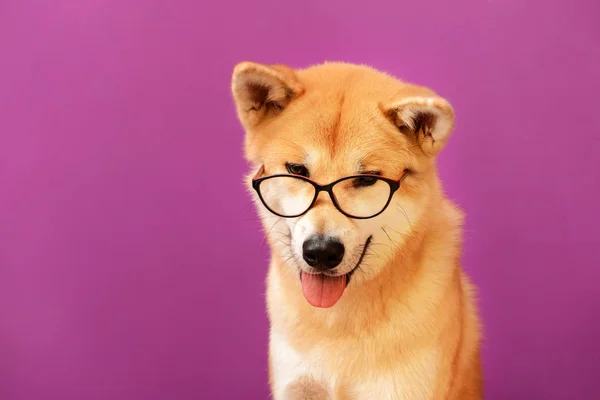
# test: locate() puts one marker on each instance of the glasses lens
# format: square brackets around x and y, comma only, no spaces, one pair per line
[362,197]
[286,195]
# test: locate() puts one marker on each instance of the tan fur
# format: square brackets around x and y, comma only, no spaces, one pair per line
[305,388]
[406,326]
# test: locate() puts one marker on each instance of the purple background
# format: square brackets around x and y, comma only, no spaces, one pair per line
[131,261]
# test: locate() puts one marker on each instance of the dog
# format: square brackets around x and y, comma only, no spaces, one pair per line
[366,297]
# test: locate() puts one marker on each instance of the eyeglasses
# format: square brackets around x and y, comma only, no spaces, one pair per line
[357,196]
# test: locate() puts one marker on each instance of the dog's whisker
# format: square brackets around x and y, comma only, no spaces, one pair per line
[269,232]
[405,215]
[282,242]
[396,232]
[281,235]
[382,245]
[389,238]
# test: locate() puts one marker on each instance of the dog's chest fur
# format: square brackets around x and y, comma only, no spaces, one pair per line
[317,374]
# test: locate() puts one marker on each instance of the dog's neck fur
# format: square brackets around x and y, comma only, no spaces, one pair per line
[406,276]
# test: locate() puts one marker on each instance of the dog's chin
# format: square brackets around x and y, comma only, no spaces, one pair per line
[324,290]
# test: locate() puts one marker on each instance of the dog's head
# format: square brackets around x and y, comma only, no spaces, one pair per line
[352,151]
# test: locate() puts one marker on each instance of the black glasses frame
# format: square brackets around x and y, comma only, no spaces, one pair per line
[394,186]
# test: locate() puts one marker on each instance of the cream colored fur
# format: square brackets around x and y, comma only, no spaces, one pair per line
[406,326]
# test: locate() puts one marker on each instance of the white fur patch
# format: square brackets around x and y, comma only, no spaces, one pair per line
[288,366]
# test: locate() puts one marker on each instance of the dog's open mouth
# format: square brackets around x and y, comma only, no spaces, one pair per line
[324,291]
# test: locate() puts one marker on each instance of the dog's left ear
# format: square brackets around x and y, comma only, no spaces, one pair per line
[423,116]
[262,91]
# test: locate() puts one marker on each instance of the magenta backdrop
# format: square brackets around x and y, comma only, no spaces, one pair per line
[131,262]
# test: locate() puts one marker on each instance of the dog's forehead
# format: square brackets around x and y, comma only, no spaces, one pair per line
[344,133]
[337,126]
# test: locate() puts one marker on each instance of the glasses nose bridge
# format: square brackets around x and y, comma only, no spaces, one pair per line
[324,192]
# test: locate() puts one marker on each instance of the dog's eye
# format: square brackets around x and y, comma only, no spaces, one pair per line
[364,181]
[297,169]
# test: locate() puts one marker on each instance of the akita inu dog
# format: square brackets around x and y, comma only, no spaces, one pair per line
[365,293]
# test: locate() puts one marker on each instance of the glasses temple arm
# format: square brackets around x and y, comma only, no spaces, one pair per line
[259,172]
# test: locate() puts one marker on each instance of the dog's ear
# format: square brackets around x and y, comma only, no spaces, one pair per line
[423,116]
[261,91]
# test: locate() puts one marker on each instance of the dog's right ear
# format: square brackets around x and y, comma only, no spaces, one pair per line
[261,91]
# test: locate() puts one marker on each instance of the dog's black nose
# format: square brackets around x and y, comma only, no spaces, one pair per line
[322,252]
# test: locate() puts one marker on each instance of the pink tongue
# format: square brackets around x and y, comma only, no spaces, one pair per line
[321,290]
